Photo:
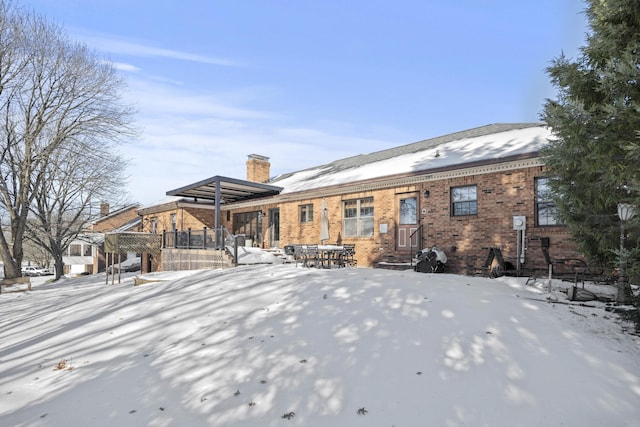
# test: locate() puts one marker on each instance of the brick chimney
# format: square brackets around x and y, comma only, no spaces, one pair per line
[258,168]
[104,209]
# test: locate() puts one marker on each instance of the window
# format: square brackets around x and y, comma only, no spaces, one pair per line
[86,250]
[464,200]
[358,217]
[409,211]
[306,213]
[546,211]
[154,225]
[75,250]
[249,224]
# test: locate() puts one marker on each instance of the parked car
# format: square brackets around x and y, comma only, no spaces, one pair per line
[32,270]
[130,264]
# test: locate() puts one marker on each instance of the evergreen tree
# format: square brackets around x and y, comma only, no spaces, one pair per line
[594,158]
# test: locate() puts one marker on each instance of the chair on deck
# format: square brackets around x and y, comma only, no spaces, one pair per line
[289,252]
[311,256]
[347,257]
[298,254]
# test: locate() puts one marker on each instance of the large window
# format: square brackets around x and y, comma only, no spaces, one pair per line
[464,200]
[546,211]
[358,217]
[306,213]
[249,224]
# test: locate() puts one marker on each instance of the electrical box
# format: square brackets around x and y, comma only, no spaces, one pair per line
[519,222]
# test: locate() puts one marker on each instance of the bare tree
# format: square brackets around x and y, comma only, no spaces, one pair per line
[54,94]
[36,253]
[77,178]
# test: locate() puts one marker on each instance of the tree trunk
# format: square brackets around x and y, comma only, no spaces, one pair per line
[12,267]
[59,265]
[12,270]
[624,294]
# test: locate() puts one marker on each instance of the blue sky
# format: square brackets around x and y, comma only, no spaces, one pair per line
[308,82]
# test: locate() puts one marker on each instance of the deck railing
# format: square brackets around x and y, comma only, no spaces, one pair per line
[207,238]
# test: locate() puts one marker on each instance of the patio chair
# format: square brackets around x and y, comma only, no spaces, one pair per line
[348,254]
[331,256]
[289,253]
[311,256]
[298,254]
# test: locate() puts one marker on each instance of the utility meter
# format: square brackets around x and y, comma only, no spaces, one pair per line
[519,222]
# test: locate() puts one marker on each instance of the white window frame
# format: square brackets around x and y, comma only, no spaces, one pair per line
[464,200]
[358,217]
[305,213]
[546,210]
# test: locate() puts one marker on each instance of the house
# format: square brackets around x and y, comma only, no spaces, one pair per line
[86,253]
[479,195]
[125,218]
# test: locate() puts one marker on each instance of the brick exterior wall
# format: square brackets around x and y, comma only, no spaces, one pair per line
[466,240]
[186,218]
[116,220]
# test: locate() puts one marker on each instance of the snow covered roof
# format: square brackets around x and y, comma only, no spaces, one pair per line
[482,144]
[128,226]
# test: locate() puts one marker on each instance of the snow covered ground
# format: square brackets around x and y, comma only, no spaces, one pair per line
[280,345]
[247,255]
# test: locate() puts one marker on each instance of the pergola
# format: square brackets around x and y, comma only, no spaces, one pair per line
[222,189]
[116,243]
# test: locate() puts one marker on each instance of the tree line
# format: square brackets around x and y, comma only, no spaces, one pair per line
[61,121]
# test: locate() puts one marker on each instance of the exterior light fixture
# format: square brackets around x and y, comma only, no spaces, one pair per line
[626,211]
